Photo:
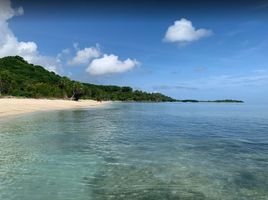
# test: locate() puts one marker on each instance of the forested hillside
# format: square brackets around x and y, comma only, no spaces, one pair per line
[19,78]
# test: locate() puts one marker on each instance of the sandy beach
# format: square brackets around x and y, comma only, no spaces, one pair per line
[16,106]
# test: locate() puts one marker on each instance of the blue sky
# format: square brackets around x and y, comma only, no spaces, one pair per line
[223,53]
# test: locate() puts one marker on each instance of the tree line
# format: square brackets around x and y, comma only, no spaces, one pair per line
[20,78]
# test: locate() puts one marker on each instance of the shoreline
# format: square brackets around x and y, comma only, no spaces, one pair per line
[18,106]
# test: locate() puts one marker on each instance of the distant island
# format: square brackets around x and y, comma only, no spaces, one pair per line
[209,101]
[19,78]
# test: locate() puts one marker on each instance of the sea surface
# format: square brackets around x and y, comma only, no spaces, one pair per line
[137,151]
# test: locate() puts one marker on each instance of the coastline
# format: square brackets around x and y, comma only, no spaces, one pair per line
[18,106]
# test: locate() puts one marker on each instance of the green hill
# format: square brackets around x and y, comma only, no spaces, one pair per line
[19,78]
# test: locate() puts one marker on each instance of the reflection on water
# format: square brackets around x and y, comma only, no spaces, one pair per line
[137,152]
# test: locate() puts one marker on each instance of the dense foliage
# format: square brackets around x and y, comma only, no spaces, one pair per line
[19,78]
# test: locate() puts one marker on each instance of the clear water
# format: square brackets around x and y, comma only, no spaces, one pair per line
[137,152]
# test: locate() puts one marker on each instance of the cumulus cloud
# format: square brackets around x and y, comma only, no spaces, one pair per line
[183,31]
[11,46]
[110,64]
[50,63]
[84,56]
[7,12]
[92,57]
[99,63]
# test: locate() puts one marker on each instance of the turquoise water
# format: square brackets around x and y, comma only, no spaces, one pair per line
[137,151]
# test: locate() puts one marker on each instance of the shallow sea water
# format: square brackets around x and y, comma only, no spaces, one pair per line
[137,151]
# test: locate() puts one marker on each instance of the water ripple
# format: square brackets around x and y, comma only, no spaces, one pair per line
[137,151]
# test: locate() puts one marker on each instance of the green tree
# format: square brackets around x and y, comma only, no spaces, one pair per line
[19,78]
[5,82]
[78,91]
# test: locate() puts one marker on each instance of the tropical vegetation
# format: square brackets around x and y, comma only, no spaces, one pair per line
[22,79]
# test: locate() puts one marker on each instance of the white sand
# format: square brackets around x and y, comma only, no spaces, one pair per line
[16,106]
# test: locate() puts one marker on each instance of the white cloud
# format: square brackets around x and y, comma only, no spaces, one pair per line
[7,12]
[50,63]
[11,46]
[110,64]
[85,55]
[182,31]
